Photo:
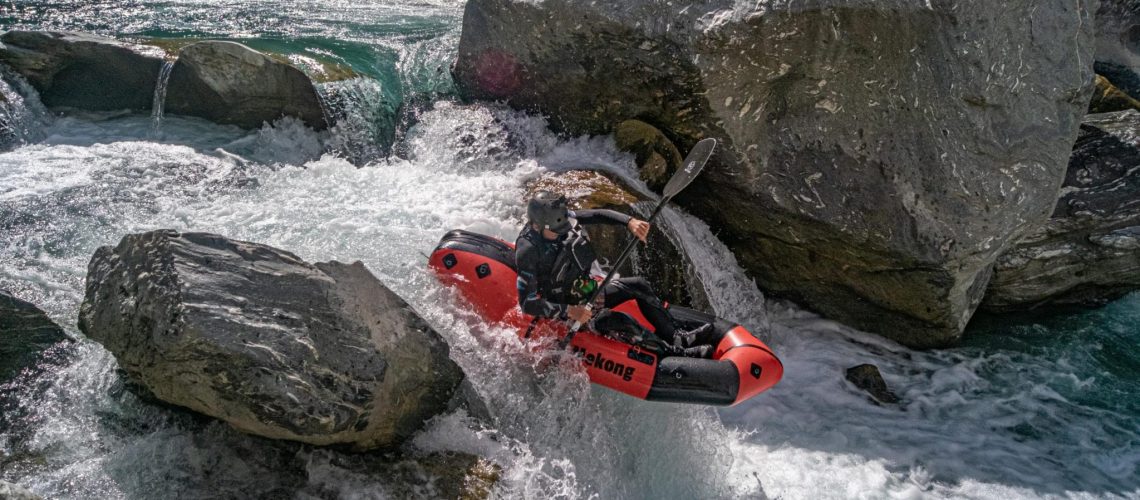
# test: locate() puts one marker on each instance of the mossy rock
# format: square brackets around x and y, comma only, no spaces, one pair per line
[657,158]
[1107,98]
[318,69]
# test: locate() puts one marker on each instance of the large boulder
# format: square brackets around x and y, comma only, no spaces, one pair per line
[83,71]
[230,83]
[25,333]
[322,354]
[664,264]
[1088,253]
[878,156]
[1118,43]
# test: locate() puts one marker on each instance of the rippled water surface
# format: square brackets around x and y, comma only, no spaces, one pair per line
[1027,408]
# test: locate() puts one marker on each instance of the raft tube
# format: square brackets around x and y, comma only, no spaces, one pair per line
[482,268]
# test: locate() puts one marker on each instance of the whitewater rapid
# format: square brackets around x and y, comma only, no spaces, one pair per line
[1016,413]
[88,182]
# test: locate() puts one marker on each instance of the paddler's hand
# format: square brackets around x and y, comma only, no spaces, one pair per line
[639,228]
[581,314]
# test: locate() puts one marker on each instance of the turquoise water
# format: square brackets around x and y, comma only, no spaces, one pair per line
[1028,407]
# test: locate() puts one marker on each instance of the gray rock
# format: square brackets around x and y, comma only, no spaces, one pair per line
[1088,253]
[230,83]
[1118,44]
[878,156]
[25,333]
[9,491]
[323,354]
[84,71]
[868,378]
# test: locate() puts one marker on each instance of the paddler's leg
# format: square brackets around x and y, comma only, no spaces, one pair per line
[623,289]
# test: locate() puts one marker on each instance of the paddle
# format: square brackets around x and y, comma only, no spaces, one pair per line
[690,168]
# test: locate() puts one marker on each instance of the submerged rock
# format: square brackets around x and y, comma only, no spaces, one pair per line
[84,71]
[1089,251]
[25,333]
[230,83]
[868,378]
[661,262]
[322,354]
[1118,44]
[877,156]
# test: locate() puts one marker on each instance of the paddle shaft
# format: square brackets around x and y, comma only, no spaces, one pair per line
[625,253]
[692,166]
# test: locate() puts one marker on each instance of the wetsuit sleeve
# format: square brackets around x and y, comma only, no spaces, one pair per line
[530,302]
[601,216]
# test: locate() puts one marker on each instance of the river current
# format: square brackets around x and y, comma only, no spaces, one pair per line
[1028,407]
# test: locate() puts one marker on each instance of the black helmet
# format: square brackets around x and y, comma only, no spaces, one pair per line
[547,210]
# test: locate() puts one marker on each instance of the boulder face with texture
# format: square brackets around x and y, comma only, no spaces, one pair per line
[323,354]
[878,156]
[25,332]
[1088,253]
[230,83]
[84,71]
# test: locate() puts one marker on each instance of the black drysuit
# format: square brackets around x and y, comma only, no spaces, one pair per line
[543,294]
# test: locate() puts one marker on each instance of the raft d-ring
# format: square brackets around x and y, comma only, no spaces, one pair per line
[679,374]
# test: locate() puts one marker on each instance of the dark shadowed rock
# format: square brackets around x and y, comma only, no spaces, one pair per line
[1107,98]
[868,378]
[254,336]
[1118,44]
[657,157]
[25,332]
[230,83]
[661,262]
[878,156]
[84,71]
[1089,251]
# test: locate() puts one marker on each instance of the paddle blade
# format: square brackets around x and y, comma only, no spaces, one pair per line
[691,167]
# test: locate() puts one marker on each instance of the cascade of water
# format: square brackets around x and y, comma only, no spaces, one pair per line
[160,99]
[363,120]
[22,116]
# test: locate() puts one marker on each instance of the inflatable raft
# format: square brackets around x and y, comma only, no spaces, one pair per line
[482,268]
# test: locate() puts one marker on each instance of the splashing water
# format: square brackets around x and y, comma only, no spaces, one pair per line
[160,99]
[1044,409]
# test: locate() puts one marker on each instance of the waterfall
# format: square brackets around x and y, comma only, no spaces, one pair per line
[160,98]
[22,116]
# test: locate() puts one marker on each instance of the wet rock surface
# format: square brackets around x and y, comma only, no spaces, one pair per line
[25,333]
[227,82]
[84,71]
[661,261]
[877,157]
[1088,253]
[868,378]
[323,354]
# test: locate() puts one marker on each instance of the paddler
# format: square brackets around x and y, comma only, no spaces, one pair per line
[558,270]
